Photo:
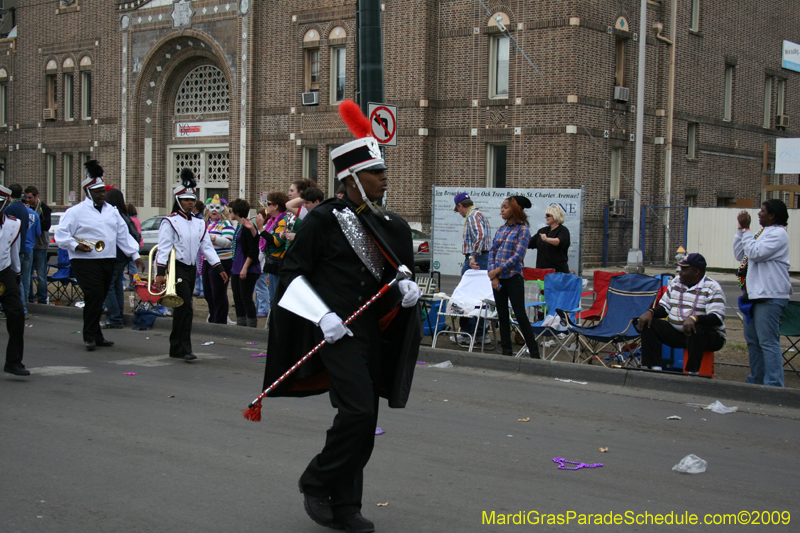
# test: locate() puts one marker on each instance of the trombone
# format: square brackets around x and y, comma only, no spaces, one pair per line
[99,245]
[170,297]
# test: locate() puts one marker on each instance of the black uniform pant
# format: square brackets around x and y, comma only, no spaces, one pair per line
[513,289]
[94,277]
[705,338]
[216,292]
[15,317]
[338,471]
[180,340]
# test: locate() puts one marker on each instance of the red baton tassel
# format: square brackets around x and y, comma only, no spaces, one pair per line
[253,413]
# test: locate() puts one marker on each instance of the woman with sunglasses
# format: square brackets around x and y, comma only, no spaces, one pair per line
[506,260]
[274,233]
[221,231]
[552,241]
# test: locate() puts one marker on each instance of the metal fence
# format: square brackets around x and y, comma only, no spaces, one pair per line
[662,231]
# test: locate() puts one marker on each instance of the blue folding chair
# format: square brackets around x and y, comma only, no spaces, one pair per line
[562,295]
[628,297]
[62,285]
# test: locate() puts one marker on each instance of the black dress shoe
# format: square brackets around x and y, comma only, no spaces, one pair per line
[17,370]
[319,509]
[189,357]
[105,344]
[355,523]
[90,346]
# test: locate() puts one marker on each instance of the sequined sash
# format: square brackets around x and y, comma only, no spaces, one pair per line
[362,242]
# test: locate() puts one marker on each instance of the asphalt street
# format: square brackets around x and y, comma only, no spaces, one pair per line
[86,447]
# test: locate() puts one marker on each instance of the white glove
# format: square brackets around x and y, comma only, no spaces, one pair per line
[333,327]
[410,292]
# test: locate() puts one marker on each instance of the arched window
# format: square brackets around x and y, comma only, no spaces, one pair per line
[203,90]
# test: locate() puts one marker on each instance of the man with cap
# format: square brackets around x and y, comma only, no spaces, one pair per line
[187,236]
[11,299]
[694,309]
[477,243]
[81,231]
[345,251]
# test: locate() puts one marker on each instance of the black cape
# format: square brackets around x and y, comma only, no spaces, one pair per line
[322,254]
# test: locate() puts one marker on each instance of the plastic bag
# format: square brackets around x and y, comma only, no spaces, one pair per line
[718,408]
[445,364]
[691,464]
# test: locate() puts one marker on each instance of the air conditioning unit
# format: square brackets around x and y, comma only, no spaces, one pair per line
[617,208]
[622,94]
[48,114]
[311,98]
[782,121]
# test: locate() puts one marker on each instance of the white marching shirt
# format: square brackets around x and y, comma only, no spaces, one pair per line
[9,243]
[188,236]
[84,221]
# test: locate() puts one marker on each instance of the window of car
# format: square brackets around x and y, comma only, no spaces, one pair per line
[151,223]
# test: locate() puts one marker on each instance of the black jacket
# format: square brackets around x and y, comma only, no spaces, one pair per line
[322,254]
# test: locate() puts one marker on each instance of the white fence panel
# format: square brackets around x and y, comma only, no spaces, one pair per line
[711,230]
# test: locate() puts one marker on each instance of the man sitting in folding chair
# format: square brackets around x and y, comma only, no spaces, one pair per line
[694,306]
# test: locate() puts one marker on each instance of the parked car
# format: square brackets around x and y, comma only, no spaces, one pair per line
[52,247]
[422,250]
[150,233]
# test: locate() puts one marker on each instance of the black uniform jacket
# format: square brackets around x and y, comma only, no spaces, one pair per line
[322,254]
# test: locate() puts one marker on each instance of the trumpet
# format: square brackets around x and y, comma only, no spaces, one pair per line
[170,297]
[99,245]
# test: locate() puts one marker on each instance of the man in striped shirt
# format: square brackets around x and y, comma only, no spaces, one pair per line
[694,306]
[477,235]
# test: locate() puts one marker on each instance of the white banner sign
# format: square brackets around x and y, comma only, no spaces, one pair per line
[214,128]
[791,56]
[448,226]
[787,156]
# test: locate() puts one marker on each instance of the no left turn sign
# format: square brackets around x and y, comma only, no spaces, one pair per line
[383,119]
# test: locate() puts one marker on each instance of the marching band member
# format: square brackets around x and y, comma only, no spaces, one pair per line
[187,235]
[11,297]
[81,231]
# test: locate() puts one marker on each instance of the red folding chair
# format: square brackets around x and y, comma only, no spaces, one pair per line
[600,282]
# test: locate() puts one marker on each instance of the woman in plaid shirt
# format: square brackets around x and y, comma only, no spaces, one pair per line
[506,260]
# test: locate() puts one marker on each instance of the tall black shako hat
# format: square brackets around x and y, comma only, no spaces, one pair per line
[361,154]
[186,188]
[94,177]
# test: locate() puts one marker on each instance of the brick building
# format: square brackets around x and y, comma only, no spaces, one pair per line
[150,86]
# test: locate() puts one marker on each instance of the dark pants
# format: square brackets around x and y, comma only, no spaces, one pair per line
[243,294]
[40,265]
[513,289]
[115,300]
[705,339]
[15,317]
[94,277]
[353,364]
[216,292]
[180,340]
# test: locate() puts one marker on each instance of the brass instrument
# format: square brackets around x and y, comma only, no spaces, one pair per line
[170,297]
[99,245]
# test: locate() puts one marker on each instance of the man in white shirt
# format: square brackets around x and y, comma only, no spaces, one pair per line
[9,277]
[80,231]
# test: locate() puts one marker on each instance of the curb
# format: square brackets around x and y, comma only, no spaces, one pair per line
[629,379]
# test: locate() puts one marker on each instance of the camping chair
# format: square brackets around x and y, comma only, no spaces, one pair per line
[430,308]
[62,285]
[628,297]
[600,281]
[790,328]
[467,301]
[563,293]
[535,276]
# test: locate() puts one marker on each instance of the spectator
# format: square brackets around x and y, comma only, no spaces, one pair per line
[273,231]
[340,192]
[115,299]
[221,231]
[18,210]
[552,241]
[476,244]
[311,197]
[26,256]
[295,204]
[764,278]
[197,212]
[694,307]
[506,261]
[132,269]
[262,285]
[245,269]
[42,242]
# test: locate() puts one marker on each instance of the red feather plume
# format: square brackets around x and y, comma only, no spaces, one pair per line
[356,121]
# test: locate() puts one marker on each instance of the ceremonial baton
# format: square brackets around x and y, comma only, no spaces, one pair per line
[253,411]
